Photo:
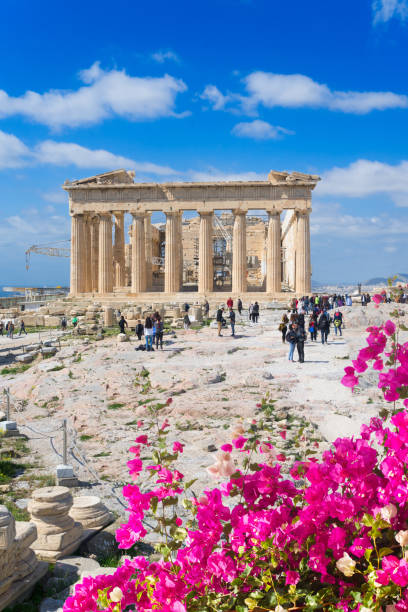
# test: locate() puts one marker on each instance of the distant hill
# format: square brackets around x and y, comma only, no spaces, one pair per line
[381,280]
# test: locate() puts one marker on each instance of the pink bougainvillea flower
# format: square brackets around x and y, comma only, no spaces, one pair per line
[227,448]
[178,447]
[349,380]
[292,577]
[239,442]
[389,328]
[143,439]
[377,298]
[283,434]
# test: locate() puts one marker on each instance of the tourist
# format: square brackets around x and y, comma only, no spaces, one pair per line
[186,321]
[250,309]
[283,327]
[139,329]
[230,302]
[122,324]
[232,320]
[74,321]
[10,330]
[338,322]
[301,319]
[239,306]
[206,308]
[63,323]
[296,337]
[186,307]
[219,319]
[148,332]
[1,328]
[255,312]
[313,329]
[158,331]
[349,301]
[22,328]
[324,326]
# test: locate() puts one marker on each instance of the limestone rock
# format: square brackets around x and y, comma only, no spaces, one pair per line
[25,357]
[122,338]
[58,534]
[90,512]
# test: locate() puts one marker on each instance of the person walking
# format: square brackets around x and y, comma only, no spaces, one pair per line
[313,329]
[239,306]
[122,324]
[255,312]
[186,321]
[139,329]
[158,332]
[324,326]
[206,308]
[219,319]
[338,322]
[74,321]
[186,307]
[10,330]
[63,323]
[250,310]
[22,328]
[283,327]
[232,321]
[230,302]
[148,332]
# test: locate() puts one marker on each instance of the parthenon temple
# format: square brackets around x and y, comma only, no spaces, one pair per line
[248,236]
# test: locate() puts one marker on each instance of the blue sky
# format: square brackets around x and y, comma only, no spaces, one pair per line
[213,90]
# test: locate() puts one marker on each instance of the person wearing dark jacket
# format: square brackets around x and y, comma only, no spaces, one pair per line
[324,326]
[296,336]
[255,312]
[219,320]
[122,324]
[159,329]
[139,330]
[232,320]
[239,306]
[301,320]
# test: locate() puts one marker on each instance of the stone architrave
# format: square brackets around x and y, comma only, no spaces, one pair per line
[138,254]
[105,268]
[77,254]
[239,264]
[119,250]
[205,253]
[303,267]
[58,535]
[95,253]
[172,259]
[273,253]
[148,250]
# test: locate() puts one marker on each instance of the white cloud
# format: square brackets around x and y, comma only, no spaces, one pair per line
[299,91]
[21,231]
[364,177]
[215,97]
[162,56]
[330,220]
[259,130]
[13,152]
[384,10]
[69,153]
[105,94]
[55,197]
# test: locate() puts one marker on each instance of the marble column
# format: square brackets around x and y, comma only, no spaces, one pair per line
[88,255]
[148,249]
[138,254]
[172,259]
[273,253]
[205,253]
[180,249]
[95,253]
[303,264]
[77,281]
[105,268]
[239,263]
[119,250]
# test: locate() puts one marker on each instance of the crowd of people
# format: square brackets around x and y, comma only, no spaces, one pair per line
[322,313]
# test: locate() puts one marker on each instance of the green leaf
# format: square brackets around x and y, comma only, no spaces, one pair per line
[384,551]
[367,554]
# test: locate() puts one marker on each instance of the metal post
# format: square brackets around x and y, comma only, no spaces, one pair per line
[64,442]
[7,392]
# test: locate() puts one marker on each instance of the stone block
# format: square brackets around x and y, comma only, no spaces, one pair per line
[64,471]
[52,321]
[25,357]
[49,350]
[122,338]
[132,323]
[8,428]
[32,347]
[90,512]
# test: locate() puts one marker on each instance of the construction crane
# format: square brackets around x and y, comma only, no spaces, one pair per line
[49,249]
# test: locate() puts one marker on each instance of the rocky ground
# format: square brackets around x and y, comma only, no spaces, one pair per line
[104,388]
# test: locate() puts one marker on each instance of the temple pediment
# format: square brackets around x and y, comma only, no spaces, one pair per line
[115,177]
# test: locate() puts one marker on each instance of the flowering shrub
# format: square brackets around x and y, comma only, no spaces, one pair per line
[332,537]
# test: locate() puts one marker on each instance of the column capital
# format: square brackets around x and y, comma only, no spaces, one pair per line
[239,211]
[203,212]
[274,212]
[303,211]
